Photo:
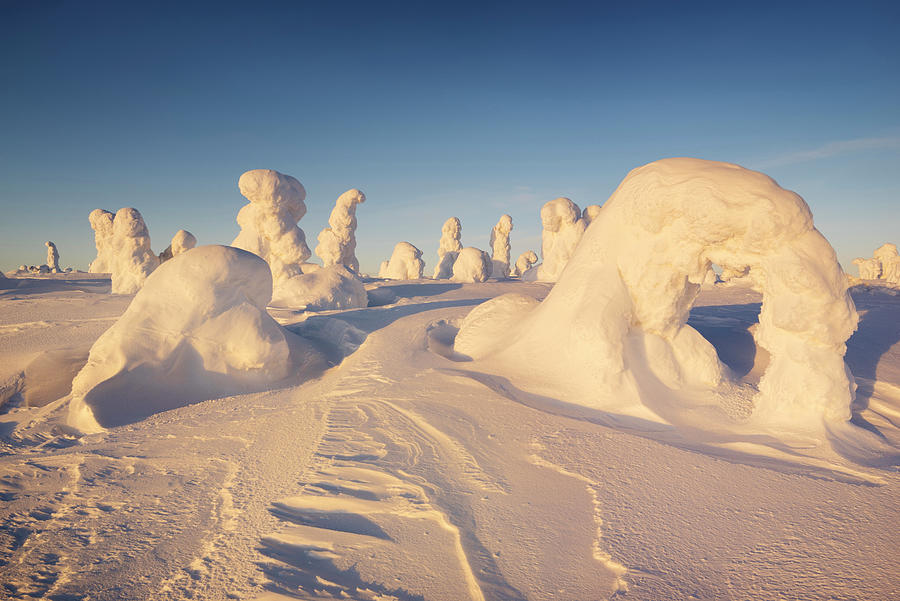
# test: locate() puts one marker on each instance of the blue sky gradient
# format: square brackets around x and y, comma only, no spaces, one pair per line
[434,111]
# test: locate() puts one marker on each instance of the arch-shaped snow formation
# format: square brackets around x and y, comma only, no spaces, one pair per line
[616,319]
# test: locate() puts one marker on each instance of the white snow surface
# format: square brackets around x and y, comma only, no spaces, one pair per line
[337,242]
[590,213]
[196,330]
[614,326]
[269,222]
[406,471]
[405,263]
[102,224]
[562,231]
[327,288]
[182,241]
[524,262]
[500,247]
[448,247]
[132,258]
[471,265]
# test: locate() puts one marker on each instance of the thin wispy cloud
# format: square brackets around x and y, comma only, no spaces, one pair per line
[831,149]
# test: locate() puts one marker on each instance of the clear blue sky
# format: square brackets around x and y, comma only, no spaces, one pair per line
[434,110]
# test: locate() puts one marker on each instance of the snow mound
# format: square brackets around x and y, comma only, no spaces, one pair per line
[448,248]
[484,330]
[337,242]
[590,213]
[500,247]
[524,262]
[472,265]
[333,287]
[614,325]
[102,224]
[198,329]
[269,223]
[132,259]
[405,263]
[182,242]
[562,231]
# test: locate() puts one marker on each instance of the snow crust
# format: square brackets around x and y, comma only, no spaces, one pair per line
[132,258]
[500,247]
[337,242]
[326,288]
[52,257]
[472,265]
[524,262]
[616,320]
[562,231]
[196,330]
[182,242]
[448,247]
[269,222]
[102,224]
[405,263]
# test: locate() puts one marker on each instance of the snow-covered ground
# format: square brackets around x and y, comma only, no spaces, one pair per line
[406,472]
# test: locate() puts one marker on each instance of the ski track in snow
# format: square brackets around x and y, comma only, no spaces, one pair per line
[395,476]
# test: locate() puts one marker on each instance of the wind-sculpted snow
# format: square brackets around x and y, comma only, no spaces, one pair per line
[132,259]
[448,248]
[889,260]
[563,229]
[471,265]
[524,262]
[269,223]
[198,329]
[182,242]
[615,322]
[500,247]
[405,263]
[337,242]
[102,224]
[333,287]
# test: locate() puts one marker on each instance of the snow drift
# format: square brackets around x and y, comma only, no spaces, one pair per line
[337,242]
[132,259]
[472,265]
[405,263]
[323,289]
[198,329]
[614,325]
[448,247]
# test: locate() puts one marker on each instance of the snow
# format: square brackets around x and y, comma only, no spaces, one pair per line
[887,256]
[198,329]
[614,326]
[52,257]
[337,242]
[590,213]
[562,231]
[407,471]
[333,287]
[500,247]
[471,265]
[405,263]
[524,262]
[132,259]
[448,247]
[269,222]
[102,223]
[182,241]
